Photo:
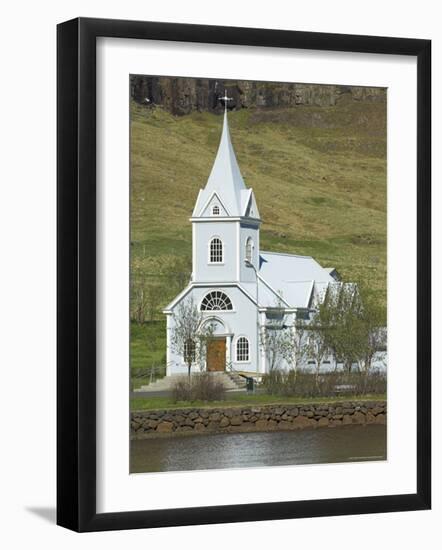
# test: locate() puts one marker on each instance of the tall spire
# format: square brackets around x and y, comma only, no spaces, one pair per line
[225,180]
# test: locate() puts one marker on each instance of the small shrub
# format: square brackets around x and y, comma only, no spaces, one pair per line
[304,383]
[207,388]
[376,382]
[273,382]
[200,387]
[182,390]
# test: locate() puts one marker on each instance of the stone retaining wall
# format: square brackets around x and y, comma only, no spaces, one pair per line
[264,418]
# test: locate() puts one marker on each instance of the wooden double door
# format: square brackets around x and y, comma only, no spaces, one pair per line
[216,354]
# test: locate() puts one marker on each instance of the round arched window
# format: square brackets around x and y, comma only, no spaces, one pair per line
[216,251]
[216,301]
[242,349]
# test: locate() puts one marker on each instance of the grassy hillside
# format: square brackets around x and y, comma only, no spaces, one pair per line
[318,173]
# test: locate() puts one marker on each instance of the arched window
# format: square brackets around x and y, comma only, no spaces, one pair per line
[215,210]
[249,249]
[242,349]
[216,251]
[216,301]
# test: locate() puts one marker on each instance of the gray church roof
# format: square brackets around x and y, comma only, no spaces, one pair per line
[284,279]
[226,182]
[292,277]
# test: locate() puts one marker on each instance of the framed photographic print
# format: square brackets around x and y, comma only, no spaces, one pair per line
[243,274]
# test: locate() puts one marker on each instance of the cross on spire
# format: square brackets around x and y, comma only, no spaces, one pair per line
[226,99]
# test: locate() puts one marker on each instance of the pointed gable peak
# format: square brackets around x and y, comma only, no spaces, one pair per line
[225,178]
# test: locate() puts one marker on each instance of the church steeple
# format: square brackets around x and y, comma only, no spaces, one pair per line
[225,185]
[225,222]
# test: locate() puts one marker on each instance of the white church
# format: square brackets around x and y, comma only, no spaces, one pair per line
[237,286]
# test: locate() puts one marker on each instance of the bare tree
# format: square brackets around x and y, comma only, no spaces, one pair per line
[276,337]
[189,335]
[178,275]
[317,344]
[374,334]
[146,299]
[351,319]
[338,314]
[299,344]
[138,300]
[275,341]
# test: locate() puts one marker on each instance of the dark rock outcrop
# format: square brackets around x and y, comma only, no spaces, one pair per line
[181,96]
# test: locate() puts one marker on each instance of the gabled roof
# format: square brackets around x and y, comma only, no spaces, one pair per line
[214,199]
[293,281]
[226,181]
[292,277]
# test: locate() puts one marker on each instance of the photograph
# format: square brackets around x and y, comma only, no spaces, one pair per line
[220,220]
[258,266]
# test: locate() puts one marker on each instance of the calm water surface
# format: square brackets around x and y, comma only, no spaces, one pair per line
[344,444]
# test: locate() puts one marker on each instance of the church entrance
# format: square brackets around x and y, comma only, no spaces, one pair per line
[216,354]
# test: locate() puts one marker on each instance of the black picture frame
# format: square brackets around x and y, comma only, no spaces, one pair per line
[77,287]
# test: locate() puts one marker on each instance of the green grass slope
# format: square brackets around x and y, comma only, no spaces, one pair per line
[318,173]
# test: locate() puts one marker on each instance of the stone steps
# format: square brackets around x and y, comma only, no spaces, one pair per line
[230,380]
[162,384]
[236,379]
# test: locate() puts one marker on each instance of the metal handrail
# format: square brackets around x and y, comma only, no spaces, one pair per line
[229,366]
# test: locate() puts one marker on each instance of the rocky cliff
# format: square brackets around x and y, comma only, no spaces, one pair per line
[181,96]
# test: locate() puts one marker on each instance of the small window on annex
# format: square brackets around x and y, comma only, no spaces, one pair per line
[216,251]
[242,349]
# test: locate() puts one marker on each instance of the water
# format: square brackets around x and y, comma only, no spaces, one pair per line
[219,451]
